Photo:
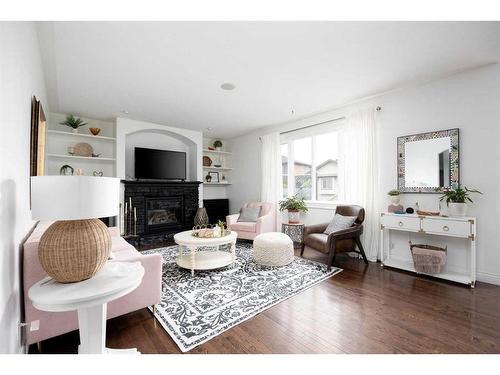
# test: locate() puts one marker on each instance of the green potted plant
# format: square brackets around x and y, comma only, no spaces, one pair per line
[73,122]
[218,144]
[457,199]
[394,196]
[294,205]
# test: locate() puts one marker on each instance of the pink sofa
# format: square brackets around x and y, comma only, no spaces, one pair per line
[265,223]
[54,324]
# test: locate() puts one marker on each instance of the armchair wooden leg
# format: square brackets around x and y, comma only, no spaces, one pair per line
[361,250]
[331,259]
[302,247]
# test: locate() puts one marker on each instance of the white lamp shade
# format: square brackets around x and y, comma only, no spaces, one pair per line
[74,197]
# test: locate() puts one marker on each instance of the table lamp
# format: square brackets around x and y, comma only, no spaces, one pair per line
[76,246]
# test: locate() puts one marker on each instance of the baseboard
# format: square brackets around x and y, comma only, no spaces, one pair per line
[489,278]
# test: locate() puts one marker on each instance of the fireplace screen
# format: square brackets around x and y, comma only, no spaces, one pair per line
[164,213]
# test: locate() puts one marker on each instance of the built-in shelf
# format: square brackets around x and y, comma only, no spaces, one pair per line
[217,152]
[216,183]
[98,137]
[79,157]
[218,168]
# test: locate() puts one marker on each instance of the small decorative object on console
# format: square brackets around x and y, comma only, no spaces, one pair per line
[456,200]
[427,213]
[410,210]
[396,208]
[97,174]
[394,196]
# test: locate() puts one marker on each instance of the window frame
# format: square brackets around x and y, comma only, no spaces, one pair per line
[331,127]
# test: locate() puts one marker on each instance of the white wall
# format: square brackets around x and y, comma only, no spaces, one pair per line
[468,101]
[21,76]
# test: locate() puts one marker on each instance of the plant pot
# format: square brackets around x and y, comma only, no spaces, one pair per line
[218,149]
[75,131]
[293,216]
[457,209]
[394,199]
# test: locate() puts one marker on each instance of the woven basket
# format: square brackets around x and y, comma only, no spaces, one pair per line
[75,250]
[427,258]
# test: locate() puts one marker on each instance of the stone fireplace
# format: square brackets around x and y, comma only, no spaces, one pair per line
[163,208]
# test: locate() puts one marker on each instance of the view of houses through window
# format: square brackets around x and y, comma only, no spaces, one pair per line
[310,167]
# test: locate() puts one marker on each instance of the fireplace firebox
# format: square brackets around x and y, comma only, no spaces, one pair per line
[163,207]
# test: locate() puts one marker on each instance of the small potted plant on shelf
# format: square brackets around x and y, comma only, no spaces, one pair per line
[394,196]
[218,145]
[208,178]
[73,122]
[294,205]
[457,199]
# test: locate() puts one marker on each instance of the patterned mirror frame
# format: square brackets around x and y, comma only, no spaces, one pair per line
[454,159]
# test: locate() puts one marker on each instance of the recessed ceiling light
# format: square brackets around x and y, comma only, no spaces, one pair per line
[209,129]
[227,86]
[125,111]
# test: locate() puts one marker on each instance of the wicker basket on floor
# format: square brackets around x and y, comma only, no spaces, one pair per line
[427,258]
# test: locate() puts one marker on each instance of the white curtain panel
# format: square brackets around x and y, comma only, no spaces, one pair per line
[271,190]
[358,167]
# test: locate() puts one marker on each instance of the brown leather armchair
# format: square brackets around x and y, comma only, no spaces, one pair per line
[341,241]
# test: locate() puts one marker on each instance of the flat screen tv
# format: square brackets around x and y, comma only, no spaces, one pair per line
[159,164]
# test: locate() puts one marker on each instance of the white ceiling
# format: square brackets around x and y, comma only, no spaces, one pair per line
[170,72]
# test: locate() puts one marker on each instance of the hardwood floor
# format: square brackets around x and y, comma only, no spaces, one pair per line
[364,309]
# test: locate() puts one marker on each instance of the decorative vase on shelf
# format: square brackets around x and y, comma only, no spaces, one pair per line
[75,130]
[457,209]
[293,216]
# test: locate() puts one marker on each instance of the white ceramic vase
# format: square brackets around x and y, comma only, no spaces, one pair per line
[394,199]
[293,216]
[457,209]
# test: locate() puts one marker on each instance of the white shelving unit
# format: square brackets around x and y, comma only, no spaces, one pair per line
[59,138]
[222,158]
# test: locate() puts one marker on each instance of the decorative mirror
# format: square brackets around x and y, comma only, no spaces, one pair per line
[428,161]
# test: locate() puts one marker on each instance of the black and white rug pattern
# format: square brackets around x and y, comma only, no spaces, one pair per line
[195,309]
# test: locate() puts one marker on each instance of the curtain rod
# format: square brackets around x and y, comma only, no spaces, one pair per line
[378,109]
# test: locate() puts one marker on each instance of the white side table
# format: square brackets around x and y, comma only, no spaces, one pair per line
[90,298]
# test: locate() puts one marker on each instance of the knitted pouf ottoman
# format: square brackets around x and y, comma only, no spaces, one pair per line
[273,249]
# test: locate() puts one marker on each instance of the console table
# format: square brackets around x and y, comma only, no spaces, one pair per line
[432,226]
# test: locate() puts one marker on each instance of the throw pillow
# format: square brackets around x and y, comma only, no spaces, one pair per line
[249,214]
[340,222]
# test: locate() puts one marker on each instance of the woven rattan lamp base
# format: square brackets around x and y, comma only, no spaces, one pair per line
[74,250]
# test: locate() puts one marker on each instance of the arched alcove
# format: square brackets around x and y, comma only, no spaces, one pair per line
[160,140]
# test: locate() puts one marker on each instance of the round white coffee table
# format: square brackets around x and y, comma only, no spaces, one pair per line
[90,298]
[196,259]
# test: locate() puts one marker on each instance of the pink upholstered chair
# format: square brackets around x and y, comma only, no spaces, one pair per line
[265,223]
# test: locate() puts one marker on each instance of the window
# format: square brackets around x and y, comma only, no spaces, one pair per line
[310,166]
[284,169]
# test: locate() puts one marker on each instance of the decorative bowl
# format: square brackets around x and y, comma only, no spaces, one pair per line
[95,131]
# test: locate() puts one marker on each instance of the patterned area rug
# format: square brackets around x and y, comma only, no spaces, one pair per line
[195,309]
